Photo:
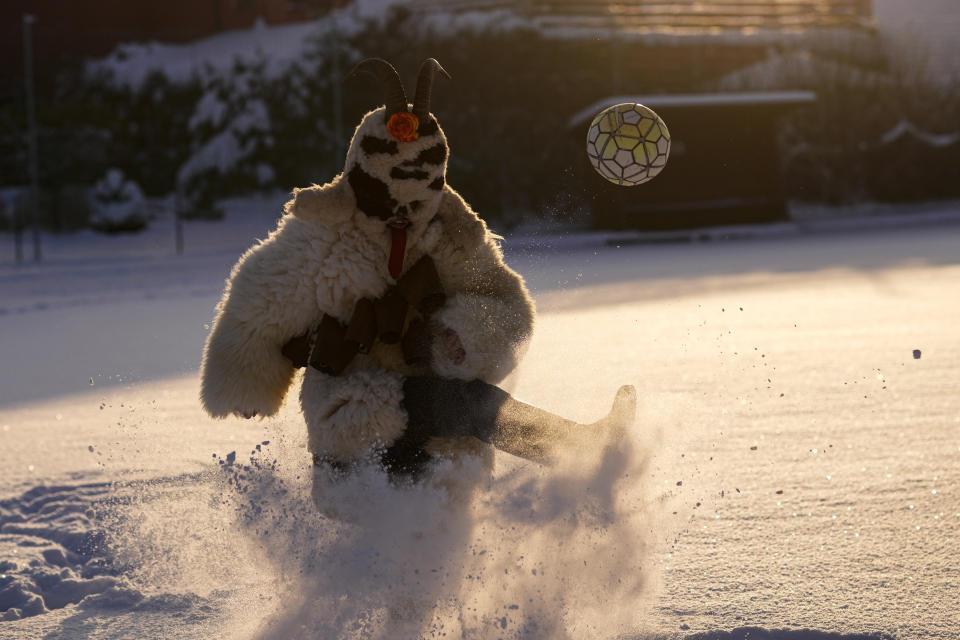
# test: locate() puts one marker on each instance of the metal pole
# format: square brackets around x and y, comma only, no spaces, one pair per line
[338,146]
[17,232]
[178,231]
[178,203]
[28,20]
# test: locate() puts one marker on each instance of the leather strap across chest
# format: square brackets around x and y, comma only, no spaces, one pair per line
[332,345]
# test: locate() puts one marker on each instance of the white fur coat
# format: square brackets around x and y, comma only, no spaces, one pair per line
[322,258]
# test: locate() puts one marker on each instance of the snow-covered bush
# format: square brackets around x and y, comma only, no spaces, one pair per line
[117,205]
[882,128]
[230,128]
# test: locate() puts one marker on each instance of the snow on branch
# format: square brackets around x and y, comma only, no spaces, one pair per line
[906,128]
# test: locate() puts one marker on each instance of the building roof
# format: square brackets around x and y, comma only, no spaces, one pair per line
[670,17]
[667,101]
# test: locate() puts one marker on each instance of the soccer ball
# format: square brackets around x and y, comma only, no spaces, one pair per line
[628,144]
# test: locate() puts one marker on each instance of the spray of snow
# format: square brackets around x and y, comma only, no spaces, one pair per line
[534,552]
[254,542]
[530,551]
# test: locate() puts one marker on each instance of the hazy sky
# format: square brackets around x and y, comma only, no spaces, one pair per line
[936,16]
[934,23]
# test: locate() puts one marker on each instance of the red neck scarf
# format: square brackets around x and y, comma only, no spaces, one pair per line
[398,246]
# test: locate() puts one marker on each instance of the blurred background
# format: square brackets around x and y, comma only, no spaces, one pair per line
[798,379]
[121,114]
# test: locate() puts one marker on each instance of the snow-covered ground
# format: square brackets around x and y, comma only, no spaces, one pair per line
[795,464]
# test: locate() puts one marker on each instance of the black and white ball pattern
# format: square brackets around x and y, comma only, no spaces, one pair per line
[628,144]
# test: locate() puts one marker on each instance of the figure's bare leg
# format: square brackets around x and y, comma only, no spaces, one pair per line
[439,407]
[526,431]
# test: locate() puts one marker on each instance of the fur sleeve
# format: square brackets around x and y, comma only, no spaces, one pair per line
[352,414]
[268,299]
[488,304]
[327,204]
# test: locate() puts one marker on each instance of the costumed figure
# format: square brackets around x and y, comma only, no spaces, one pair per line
[394,295]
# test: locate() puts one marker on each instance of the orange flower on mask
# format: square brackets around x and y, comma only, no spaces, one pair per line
[403,126]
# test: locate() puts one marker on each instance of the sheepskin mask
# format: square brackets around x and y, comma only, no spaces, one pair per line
[397,161]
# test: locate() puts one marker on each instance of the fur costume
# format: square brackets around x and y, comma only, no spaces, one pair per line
[354,239]
[330,249]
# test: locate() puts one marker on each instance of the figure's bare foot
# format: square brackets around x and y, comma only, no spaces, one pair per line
[624,411]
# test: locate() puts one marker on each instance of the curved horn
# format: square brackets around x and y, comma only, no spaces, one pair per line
[421,102]
[394,97]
